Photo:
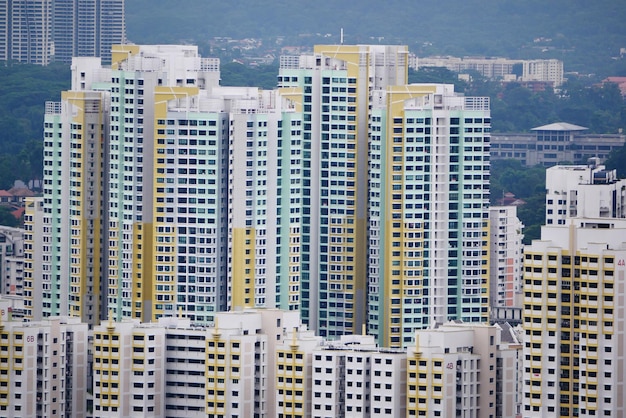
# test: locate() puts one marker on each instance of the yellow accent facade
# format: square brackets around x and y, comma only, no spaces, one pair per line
[120,53]
[243,267]
[291,382]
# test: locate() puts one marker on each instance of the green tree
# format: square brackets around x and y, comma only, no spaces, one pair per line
[617,161]
[7,218]
[526,183]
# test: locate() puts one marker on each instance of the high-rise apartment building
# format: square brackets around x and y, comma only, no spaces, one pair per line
[574,319]
[334,88]
[345,194]
[164,191]
[428,219]
[358,111]
[69,247]
[42,31]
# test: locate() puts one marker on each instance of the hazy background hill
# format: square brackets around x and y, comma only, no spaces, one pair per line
[587,35]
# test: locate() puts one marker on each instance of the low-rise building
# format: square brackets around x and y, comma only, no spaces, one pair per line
[43,368]
[553,144]
[264,363]
[452,371]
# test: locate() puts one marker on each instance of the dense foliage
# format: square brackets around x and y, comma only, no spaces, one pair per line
[236,74]
[7,218]
[617,160]
[528,184]
[24,91]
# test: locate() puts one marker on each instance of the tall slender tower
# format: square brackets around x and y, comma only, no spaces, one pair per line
[70,250]
[265,183]
[428,211]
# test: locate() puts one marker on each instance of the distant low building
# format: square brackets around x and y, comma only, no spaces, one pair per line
[553,144]
[536,74]
[550,70]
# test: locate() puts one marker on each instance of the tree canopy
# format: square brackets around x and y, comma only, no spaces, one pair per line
[526,183]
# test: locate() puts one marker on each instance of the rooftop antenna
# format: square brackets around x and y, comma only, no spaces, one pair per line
[341,37]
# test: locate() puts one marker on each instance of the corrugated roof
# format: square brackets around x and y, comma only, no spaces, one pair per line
[560,126]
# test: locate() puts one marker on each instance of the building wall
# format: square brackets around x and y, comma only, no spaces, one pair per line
[506,256]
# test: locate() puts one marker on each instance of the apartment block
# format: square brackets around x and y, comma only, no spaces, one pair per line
[33,257]
[184,194]
[265,363]
[509,371]
[550,70]
[352,377]
[26,31]
[334,89]
[173,368]
[43,367]
[494,68]
[452,371]
[266,182]
[573,295]
[63,231]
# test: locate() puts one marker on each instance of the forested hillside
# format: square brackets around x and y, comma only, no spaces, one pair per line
[585,34]
[24,91]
